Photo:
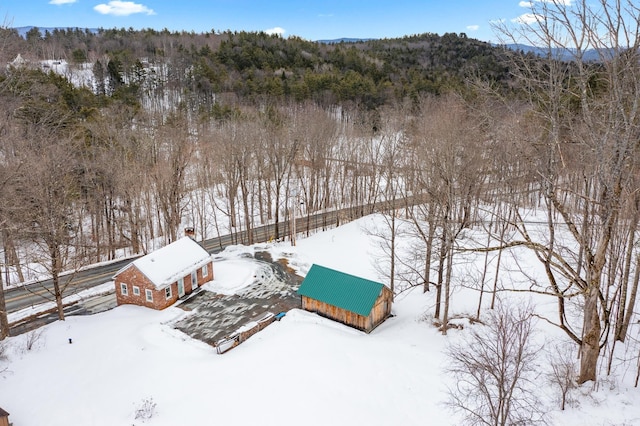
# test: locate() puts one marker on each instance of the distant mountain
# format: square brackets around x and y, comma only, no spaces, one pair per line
[344,40]
[562,54]
[24,30]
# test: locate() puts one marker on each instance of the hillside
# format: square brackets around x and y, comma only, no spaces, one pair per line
[251,66]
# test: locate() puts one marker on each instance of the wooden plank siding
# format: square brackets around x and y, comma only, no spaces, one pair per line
[382,308]
[380,311]
[4,418]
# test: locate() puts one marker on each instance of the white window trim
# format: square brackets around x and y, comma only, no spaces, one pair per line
[148,295]
[205,270]
[123,289]
[136,290]
[167,293]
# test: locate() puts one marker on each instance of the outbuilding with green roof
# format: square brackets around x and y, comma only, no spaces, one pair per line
[351,300]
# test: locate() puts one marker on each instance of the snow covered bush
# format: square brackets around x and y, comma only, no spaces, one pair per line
[494,369]
[146,409]
[32,338]
[562,376]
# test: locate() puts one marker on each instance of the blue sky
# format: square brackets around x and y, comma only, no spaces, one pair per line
[309,19]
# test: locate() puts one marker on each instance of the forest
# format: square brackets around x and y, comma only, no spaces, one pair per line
[220,130]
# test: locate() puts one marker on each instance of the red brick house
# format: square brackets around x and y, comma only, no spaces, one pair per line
[159,279]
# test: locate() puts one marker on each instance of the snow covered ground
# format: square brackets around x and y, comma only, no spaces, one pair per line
[303,370]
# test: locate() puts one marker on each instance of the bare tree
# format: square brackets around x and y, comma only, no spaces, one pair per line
[4,320]
[588,113]
[563,372]
[450,174]
[629,286]
[45,195]
[6,175]
[392,169]
[495,370]
[8,172]
[281,146]
[171,155]
[237,146]
[316,129]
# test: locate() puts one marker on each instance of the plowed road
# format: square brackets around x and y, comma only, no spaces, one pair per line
[34,294]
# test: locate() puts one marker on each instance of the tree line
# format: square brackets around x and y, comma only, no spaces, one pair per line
[252,66]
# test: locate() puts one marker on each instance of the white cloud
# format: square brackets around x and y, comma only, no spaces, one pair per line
[59,2]
[276,30]
[473,27]
[527,18]
[529,4]
[531,17]
[122,8]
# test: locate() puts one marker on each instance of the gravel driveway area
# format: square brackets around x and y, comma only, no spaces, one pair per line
[217,316]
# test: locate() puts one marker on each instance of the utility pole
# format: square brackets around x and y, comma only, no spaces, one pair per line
[293,218]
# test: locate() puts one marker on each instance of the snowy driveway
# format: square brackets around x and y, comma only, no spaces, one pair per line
[272,289]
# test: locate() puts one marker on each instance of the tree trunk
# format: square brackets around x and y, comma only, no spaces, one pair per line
[483,276]
[276,225]
[4,320]
[590,348]
[632,300]
[56,268]
[261,202]
[245,208]
[429,248]
[57,293]
[11,256]
[133,216]
[447,289]
[441,265]
[444,251]
[267,188]
[503,231]
[392,269]
[624,285]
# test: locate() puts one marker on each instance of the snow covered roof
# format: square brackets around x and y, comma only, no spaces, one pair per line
[166,265]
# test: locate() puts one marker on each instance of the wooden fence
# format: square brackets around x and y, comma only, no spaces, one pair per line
[243,333]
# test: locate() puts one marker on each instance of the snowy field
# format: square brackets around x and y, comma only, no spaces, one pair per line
[303,370]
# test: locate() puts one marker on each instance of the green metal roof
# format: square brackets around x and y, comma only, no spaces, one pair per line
[336,288]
